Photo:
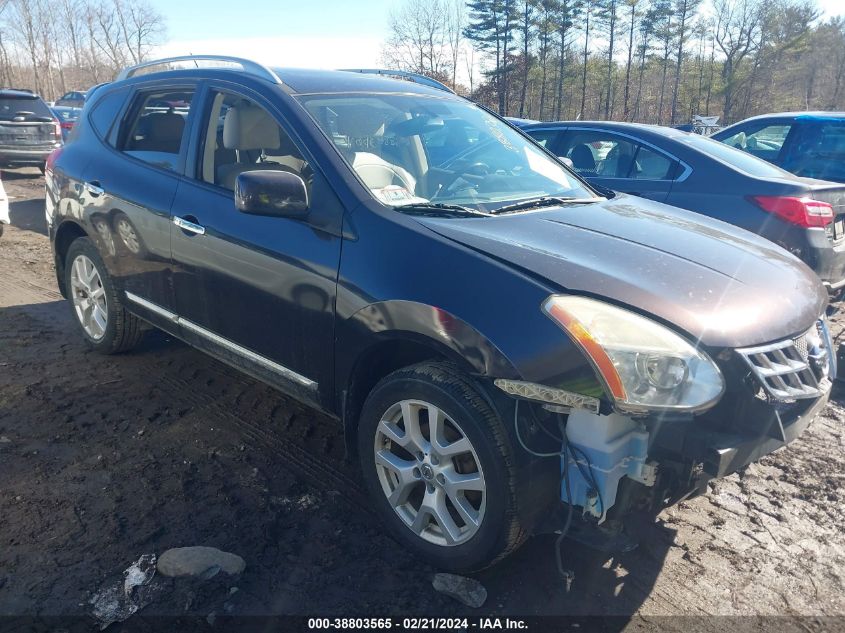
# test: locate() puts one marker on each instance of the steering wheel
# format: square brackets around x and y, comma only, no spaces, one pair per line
[472,172]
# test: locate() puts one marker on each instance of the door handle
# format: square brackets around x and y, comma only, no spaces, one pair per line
[93,187]
[187,225]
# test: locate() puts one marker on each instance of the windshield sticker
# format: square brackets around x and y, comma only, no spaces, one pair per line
[396,195]
[496,131]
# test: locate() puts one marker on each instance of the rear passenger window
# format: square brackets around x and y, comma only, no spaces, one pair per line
[155,129]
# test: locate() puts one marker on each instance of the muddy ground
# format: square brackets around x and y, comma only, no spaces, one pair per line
[103,459]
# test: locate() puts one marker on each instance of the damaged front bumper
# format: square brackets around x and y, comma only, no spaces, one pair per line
[722,453]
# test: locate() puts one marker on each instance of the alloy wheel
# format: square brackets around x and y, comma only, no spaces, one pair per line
[430,473]
[89,297]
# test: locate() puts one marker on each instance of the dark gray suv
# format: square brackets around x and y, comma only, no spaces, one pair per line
[29,131]
[508,351]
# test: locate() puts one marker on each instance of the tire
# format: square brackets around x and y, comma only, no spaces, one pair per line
[121,330]
[426,388]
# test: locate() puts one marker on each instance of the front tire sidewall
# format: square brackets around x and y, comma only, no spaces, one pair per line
[84,246]
[490,539]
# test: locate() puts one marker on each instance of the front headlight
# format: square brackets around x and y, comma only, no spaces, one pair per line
[644,366]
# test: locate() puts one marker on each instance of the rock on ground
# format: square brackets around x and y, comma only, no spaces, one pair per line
[199,562]
[467,590]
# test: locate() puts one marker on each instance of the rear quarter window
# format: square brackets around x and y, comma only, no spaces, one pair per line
[104,112]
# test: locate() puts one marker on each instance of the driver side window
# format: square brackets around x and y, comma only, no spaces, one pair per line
[243,136]
[764,141]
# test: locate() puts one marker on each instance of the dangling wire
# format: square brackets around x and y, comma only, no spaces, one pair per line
[566,452]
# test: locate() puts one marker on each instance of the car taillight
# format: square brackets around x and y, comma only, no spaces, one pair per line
[51,159]
[57,129]
[804,212]
[67,125]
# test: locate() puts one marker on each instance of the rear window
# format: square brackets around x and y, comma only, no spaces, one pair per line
[736,158]
[24,108]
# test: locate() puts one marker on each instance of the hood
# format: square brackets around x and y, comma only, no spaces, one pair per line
[722,285]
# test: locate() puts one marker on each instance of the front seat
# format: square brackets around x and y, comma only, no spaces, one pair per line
[376,172]
[246,128]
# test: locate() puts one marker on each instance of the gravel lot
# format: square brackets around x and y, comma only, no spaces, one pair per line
[103,459]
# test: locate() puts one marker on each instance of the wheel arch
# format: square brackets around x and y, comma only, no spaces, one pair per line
[386,336]
[66,233]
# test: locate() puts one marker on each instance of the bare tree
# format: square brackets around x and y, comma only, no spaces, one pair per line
[419,40]
[632,8]
[62,44]
[455,18]
[683,10]
[737,32]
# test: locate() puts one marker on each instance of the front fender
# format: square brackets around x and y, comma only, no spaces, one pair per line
[424,324]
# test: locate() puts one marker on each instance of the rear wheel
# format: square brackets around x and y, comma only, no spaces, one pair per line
[437,462]
[105,324]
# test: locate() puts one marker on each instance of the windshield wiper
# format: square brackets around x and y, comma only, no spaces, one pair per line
[440,208]
[543,201]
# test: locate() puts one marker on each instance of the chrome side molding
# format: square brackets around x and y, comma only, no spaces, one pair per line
[231,346]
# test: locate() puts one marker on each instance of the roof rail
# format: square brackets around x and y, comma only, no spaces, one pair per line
[248,66]
[402,74]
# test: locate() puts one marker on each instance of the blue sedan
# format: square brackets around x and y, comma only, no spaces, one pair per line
[809,144]
[806,217]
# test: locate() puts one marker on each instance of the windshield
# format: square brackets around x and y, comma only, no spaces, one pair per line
[747,163]
[426,150]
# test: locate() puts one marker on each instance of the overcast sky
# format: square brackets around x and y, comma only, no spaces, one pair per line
[294,33]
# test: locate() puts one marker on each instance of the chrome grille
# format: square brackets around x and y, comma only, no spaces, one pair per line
[787,370]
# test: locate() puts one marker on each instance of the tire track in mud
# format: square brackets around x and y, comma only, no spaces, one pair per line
[294,457]
[17,290]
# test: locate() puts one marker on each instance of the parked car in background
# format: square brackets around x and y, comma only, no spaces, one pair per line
[808,144]
[72,99]
[806,217]
[698,124]
[4,208]
[67,117]
[29,130]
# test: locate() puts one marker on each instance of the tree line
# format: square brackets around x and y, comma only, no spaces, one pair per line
[54,46]
[656,61]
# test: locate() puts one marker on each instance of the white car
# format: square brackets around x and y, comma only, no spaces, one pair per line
[4,208]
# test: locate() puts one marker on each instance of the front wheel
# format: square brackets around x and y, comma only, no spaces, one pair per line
[438,464]
[105,324]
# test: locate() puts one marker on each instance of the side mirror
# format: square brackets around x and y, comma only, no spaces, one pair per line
[566,161]
[268,192]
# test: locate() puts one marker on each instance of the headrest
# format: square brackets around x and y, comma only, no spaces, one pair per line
[165,126]
[248,126]
[582,157]
[360,122]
